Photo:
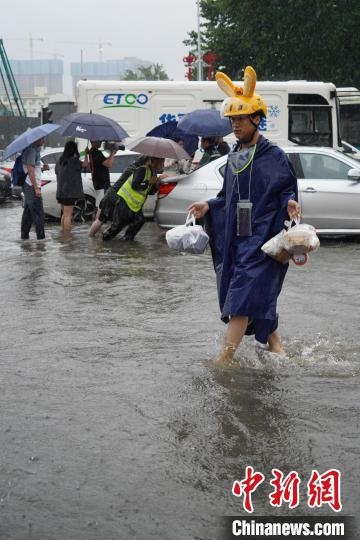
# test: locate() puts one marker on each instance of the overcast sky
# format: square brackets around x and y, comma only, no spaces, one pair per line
[152,30]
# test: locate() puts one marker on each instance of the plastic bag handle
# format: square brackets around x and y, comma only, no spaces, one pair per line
[190,220]
[291,223]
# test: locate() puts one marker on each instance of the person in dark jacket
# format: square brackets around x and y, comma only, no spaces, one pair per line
[100,166]
[131,199]
[222,146]
[211,152]
[69,182]
[258,194]
[108,203]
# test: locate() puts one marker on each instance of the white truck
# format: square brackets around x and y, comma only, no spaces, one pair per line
[299,112]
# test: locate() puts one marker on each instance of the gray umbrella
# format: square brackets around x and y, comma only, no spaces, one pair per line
[159,147]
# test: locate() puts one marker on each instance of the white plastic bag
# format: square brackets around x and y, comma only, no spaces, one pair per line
[301,238]
[275,245]
[195,239]
[174,237]
[189,237]
[295,241]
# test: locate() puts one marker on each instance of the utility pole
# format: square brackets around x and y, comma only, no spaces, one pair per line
[81,64]
[199,54]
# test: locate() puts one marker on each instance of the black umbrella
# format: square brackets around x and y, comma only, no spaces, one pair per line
[94,127]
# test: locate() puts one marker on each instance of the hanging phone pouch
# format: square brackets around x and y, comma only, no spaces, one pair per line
[239,161]
[243,218]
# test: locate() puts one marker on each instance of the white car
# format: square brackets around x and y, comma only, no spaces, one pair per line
[328,181]
[84,209]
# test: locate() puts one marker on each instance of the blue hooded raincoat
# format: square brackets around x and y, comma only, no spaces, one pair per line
[249,281]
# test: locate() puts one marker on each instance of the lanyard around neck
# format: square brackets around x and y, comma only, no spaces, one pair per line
[243,169]
[248,163]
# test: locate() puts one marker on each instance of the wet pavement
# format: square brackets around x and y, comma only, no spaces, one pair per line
[112,427]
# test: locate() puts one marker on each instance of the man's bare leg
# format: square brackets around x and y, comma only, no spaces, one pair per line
[235,332]
[96,225]
[275,345]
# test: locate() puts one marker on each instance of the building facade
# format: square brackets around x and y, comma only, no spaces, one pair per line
[34,74]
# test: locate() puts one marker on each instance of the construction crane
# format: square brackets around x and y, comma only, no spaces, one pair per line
[31,40]
[101,48]
[9,82]
[100,45]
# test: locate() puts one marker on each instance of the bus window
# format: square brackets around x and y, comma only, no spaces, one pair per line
[310,126]
[310,120]
[350,123]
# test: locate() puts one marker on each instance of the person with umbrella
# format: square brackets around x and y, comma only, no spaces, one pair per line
[111,198]
[95,128]
[169,130]
[131,198]
[258,194]
[29,144]
[69,186]
[211,152]
[211,127]
[143,182]
[33,212]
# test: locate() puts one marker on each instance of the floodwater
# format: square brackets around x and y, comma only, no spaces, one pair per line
[113,427]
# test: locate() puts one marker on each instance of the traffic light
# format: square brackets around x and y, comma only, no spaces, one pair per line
[46,115]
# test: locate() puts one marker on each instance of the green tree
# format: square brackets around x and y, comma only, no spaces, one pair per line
[155,72]
[296,39]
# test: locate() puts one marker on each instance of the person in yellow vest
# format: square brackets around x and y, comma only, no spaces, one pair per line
[131,199]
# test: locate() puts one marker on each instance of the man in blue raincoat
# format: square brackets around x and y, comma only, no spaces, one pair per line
[258,194]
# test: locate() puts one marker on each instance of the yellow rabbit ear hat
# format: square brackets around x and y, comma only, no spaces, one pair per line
[241,100]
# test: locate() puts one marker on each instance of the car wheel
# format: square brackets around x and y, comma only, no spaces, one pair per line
[84,210]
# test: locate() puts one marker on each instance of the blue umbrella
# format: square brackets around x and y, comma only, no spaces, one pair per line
[169,130]
[94,127]
[205,123]
[27,138]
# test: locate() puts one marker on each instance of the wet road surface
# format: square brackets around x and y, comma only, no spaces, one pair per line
[111,425]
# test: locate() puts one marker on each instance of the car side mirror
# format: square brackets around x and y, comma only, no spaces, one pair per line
[354,175]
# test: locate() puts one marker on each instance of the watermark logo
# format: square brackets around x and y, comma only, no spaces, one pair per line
[322,489]
[127,101]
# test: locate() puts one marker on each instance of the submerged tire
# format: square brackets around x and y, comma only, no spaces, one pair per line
[84,210]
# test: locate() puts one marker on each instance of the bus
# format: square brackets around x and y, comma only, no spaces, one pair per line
[299,112]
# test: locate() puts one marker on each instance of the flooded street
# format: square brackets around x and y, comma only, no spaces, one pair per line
[113,427]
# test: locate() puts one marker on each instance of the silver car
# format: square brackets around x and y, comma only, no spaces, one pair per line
[328,181]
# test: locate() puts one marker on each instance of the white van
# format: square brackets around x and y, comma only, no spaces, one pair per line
[299,112]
